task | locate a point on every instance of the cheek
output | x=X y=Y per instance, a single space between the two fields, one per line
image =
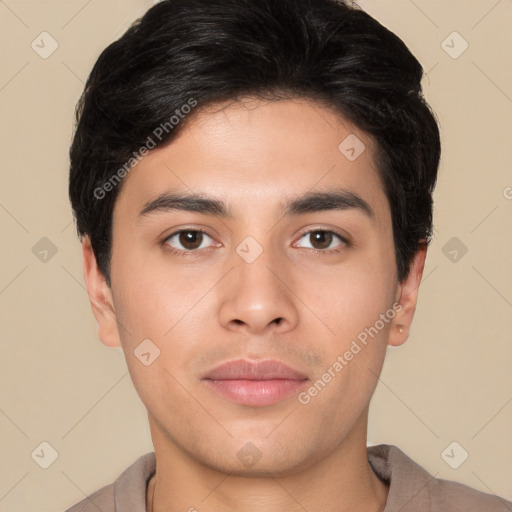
x=163 y=304
x=350 y=298
x=157 y=321
x=360 y=317
x=151 y=297
x=357 y=305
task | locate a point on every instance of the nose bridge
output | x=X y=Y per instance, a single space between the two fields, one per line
x=256 y=295
x=256 y=269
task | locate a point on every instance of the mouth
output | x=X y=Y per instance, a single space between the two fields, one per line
x=255 y=383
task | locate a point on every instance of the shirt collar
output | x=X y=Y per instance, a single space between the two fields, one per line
x=408 y=482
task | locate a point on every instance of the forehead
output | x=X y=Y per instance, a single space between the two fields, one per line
x=253 y=153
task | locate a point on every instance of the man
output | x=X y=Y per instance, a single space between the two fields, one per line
x=252 y=183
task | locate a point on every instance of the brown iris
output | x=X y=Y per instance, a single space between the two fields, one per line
x=191 y=238
x=323 y=238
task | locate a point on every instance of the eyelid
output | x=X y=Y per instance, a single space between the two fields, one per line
x=174 y=250
x=196 y=228
x=345 y=239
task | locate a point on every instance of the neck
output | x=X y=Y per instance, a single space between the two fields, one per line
x=341 y=482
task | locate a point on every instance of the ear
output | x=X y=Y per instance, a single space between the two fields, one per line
x=100 y=296
x=407 y=297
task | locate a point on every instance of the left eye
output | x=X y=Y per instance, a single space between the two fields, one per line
x=190 y=240
x=323 y=239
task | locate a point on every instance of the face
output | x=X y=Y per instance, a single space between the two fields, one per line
x=264 y=272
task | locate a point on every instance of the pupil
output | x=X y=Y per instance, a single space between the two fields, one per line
x=323 y=238
x=190 y=237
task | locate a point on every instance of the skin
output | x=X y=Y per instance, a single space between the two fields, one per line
x=206 y=309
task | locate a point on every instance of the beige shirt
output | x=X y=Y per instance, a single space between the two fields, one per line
x=412 y=488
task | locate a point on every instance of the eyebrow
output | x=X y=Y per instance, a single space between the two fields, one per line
x=310 y=202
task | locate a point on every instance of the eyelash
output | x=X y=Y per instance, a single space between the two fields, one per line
x=195 y=252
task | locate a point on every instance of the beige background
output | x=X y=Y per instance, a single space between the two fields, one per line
x=451 y=381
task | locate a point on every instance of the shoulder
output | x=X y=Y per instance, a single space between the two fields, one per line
x=412 y=488
x=126 y=494
x=454 y=496
x=102 y=499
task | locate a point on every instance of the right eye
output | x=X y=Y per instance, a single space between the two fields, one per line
x=191 y=240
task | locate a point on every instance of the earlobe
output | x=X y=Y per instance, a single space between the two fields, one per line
x=407 y=297
x=100 y=297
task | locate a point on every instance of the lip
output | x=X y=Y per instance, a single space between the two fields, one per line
x=254 y=370
x=253 y=383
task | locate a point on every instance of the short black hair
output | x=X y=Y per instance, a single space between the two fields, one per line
x=185 y=53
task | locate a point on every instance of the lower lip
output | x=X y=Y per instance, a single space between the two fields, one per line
x=256 y=392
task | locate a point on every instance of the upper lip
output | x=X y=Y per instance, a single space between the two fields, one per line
x=254 y=370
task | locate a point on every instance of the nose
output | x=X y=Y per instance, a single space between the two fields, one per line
x=258 y=296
